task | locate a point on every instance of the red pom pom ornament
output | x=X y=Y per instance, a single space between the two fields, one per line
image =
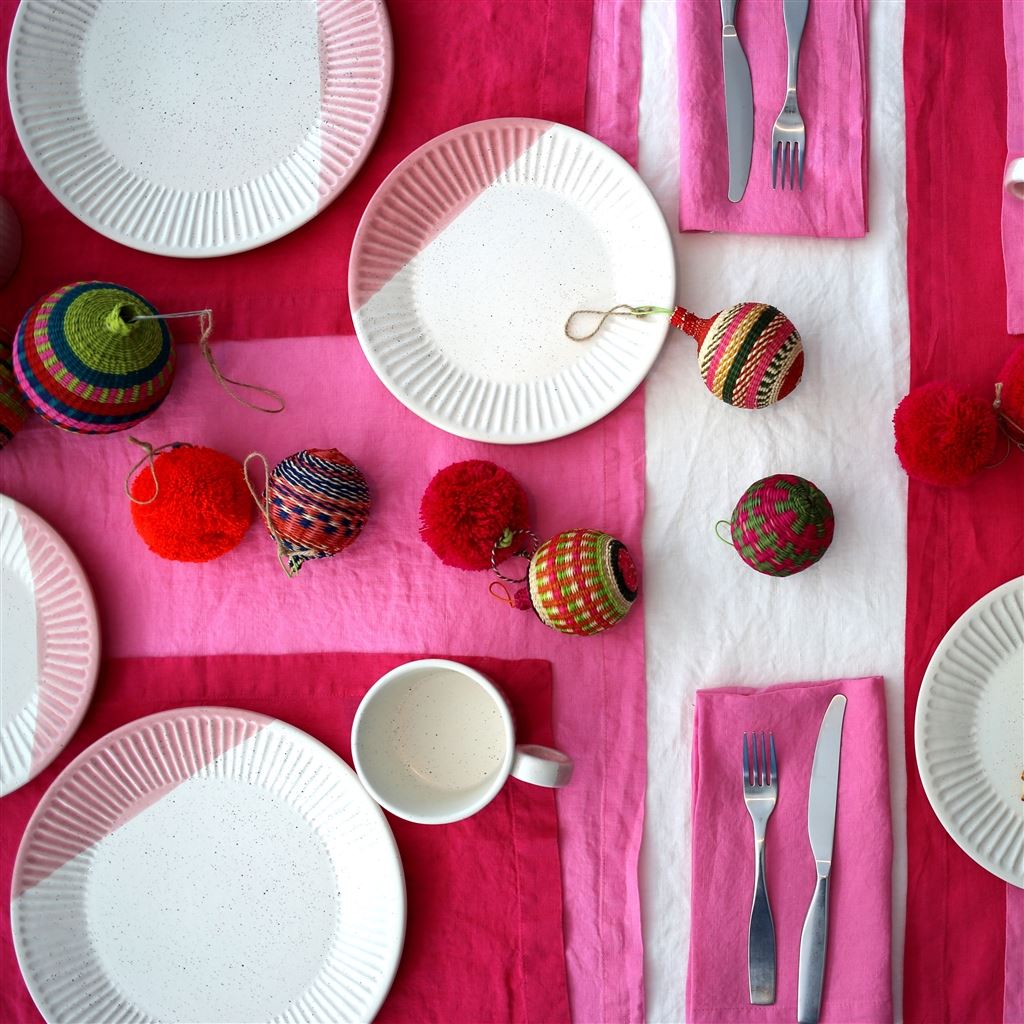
x=191 y=503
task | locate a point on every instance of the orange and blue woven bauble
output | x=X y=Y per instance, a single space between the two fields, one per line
x=782 y=525
x=582 y=582
x=13 y=409
x=750 y=355
x=474 y=515
x=316 y=504
x=86 y=364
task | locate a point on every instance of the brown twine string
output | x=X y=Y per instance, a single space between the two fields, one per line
x=206 y=330
x=284 y=555
x=623 y=309
x=1005 y=420
x=150 y=457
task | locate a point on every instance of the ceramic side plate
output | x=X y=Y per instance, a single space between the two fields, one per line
x=198 y=129
x=969 y=731
x=208 y=865
x=470 y=258
x=49 y=644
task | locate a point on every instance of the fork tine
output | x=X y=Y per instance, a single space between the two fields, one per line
x=792 y=169
x=803 y=149
x=764 y=762
x=775 y=771
x=775 y=161
x=746 y=761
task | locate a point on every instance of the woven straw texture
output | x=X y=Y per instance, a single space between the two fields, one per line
x=83 y=367
x=782 y=525
x=582 y=582
x=13 y=409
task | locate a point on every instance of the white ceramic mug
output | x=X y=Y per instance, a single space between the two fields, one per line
x=434 y=741
x=1014 y=180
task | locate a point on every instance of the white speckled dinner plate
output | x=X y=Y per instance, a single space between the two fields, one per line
x=198 y=128
x=470 y=258
x=208 y=865
x=49 y=644
x=969 y=731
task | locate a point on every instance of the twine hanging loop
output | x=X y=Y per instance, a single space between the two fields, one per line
x=624 y=309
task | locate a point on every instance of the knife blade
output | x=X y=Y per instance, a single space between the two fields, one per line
x=821 y=827
x=739 y=104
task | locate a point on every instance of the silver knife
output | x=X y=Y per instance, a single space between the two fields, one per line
x=821 y=827
x=739 y=104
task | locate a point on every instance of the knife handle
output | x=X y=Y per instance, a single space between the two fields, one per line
x=812 y=955
x=728 y=12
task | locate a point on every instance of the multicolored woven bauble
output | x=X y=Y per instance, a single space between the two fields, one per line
x=782 y=525
x=582 y=582
x=750 y=355
x=191 y=503
x=474 y=516
x=315 y=505
x=84 y=362
x=13 y=408
x=945 y=436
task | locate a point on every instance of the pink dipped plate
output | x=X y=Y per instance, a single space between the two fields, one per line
x=208 y=865
x=472 y=255
x=49 y=644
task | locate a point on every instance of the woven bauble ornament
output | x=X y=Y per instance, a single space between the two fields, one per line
x=315 y=504
x=86 y=364
x=782 y=525
x=190 y=504
x=582 y=582
x=13 y=408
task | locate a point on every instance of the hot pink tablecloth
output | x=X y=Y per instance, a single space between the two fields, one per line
x=833 y=91
x=387 y=591
x=858 y=979
x=484 y=937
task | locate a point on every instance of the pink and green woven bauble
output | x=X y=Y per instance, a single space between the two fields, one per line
x=13 y=409
x=782 y=525
x=582 y=582
x=86 y=364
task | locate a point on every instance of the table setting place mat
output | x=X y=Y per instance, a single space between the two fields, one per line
x=833 y=92
x=1013 y=205
x=500 y=57
x=965 y=927
x=484 y=930
x=387 y=588
x=858 y=981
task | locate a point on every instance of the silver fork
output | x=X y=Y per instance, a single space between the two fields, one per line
x=760 y=791
x=788 y=136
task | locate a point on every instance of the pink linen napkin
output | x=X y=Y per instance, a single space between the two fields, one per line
x=833 y=93
x=858 y=967
x=1013 y=206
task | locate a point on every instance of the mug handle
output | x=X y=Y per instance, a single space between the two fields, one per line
x=542 y=766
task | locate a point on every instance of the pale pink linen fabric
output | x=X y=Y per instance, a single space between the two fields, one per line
x=1013 y=989
x=613 y=76
x=1013 y=208
x=388 y=591
x=858 y=981
x=833 y=92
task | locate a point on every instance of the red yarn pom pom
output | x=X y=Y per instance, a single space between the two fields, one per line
x=1011 y=398
x=465 y=510
x=201 y=510
x=943 y=436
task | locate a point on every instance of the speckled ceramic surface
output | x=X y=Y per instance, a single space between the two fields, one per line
x=49 y=644
x=208 y=865
x=198 y=129
x=472 y=255
x=969 y=731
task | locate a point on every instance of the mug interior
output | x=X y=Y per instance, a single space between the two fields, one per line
x=433 y=743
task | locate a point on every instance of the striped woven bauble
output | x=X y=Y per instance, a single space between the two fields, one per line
x=750 y=355
x=582 y=582
x=13 y=409
x=782 y=525
x=84 y=366
x=317 y=503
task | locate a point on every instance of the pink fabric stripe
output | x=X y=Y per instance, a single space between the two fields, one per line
x=1013 y=208
x=1013 y=990
x=724 y=344
x=613 y=77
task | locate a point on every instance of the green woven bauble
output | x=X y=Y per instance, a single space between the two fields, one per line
x=86 y=364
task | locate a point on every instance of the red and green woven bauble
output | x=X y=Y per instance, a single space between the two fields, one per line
x=474 y=516
x=782 y=525
x=315 y=504
x=86 y=364
x=13 y=409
